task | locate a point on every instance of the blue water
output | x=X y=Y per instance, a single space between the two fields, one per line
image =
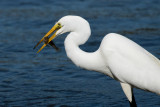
x=50 y=79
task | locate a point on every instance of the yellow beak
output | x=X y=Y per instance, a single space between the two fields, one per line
x=54 y=28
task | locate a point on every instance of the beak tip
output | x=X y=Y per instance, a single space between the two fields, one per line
x=38 y=52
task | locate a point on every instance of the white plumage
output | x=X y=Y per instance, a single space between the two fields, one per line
x=117 y=57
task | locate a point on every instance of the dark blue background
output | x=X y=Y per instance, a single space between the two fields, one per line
x=50 y=78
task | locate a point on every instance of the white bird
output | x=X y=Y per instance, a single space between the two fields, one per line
x=118 y=57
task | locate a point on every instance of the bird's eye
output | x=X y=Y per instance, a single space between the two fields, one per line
x=59 y=24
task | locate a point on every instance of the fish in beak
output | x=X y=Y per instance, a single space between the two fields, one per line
x=51 y=43
x=48 y=40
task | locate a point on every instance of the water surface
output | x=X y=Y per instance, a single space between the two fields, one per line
x=50 y=79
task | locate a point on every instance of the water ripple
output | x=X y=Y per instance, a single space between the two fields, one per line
x=50 y=79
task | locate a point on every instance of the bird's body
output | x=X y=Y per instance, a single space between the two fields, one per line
x=130 y=63
x=117 y=57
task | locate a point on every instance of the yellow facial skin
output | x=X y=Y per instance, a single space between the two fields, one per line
x=55 y=28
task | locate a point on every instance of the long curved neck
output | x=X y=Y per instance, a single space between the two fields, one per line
x=81 y=58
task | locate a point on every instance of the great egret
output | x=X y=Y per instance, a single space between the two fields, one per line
x=118 y=57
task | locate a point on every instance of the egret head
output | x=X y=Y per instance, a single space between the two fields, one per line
x=65 y=24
